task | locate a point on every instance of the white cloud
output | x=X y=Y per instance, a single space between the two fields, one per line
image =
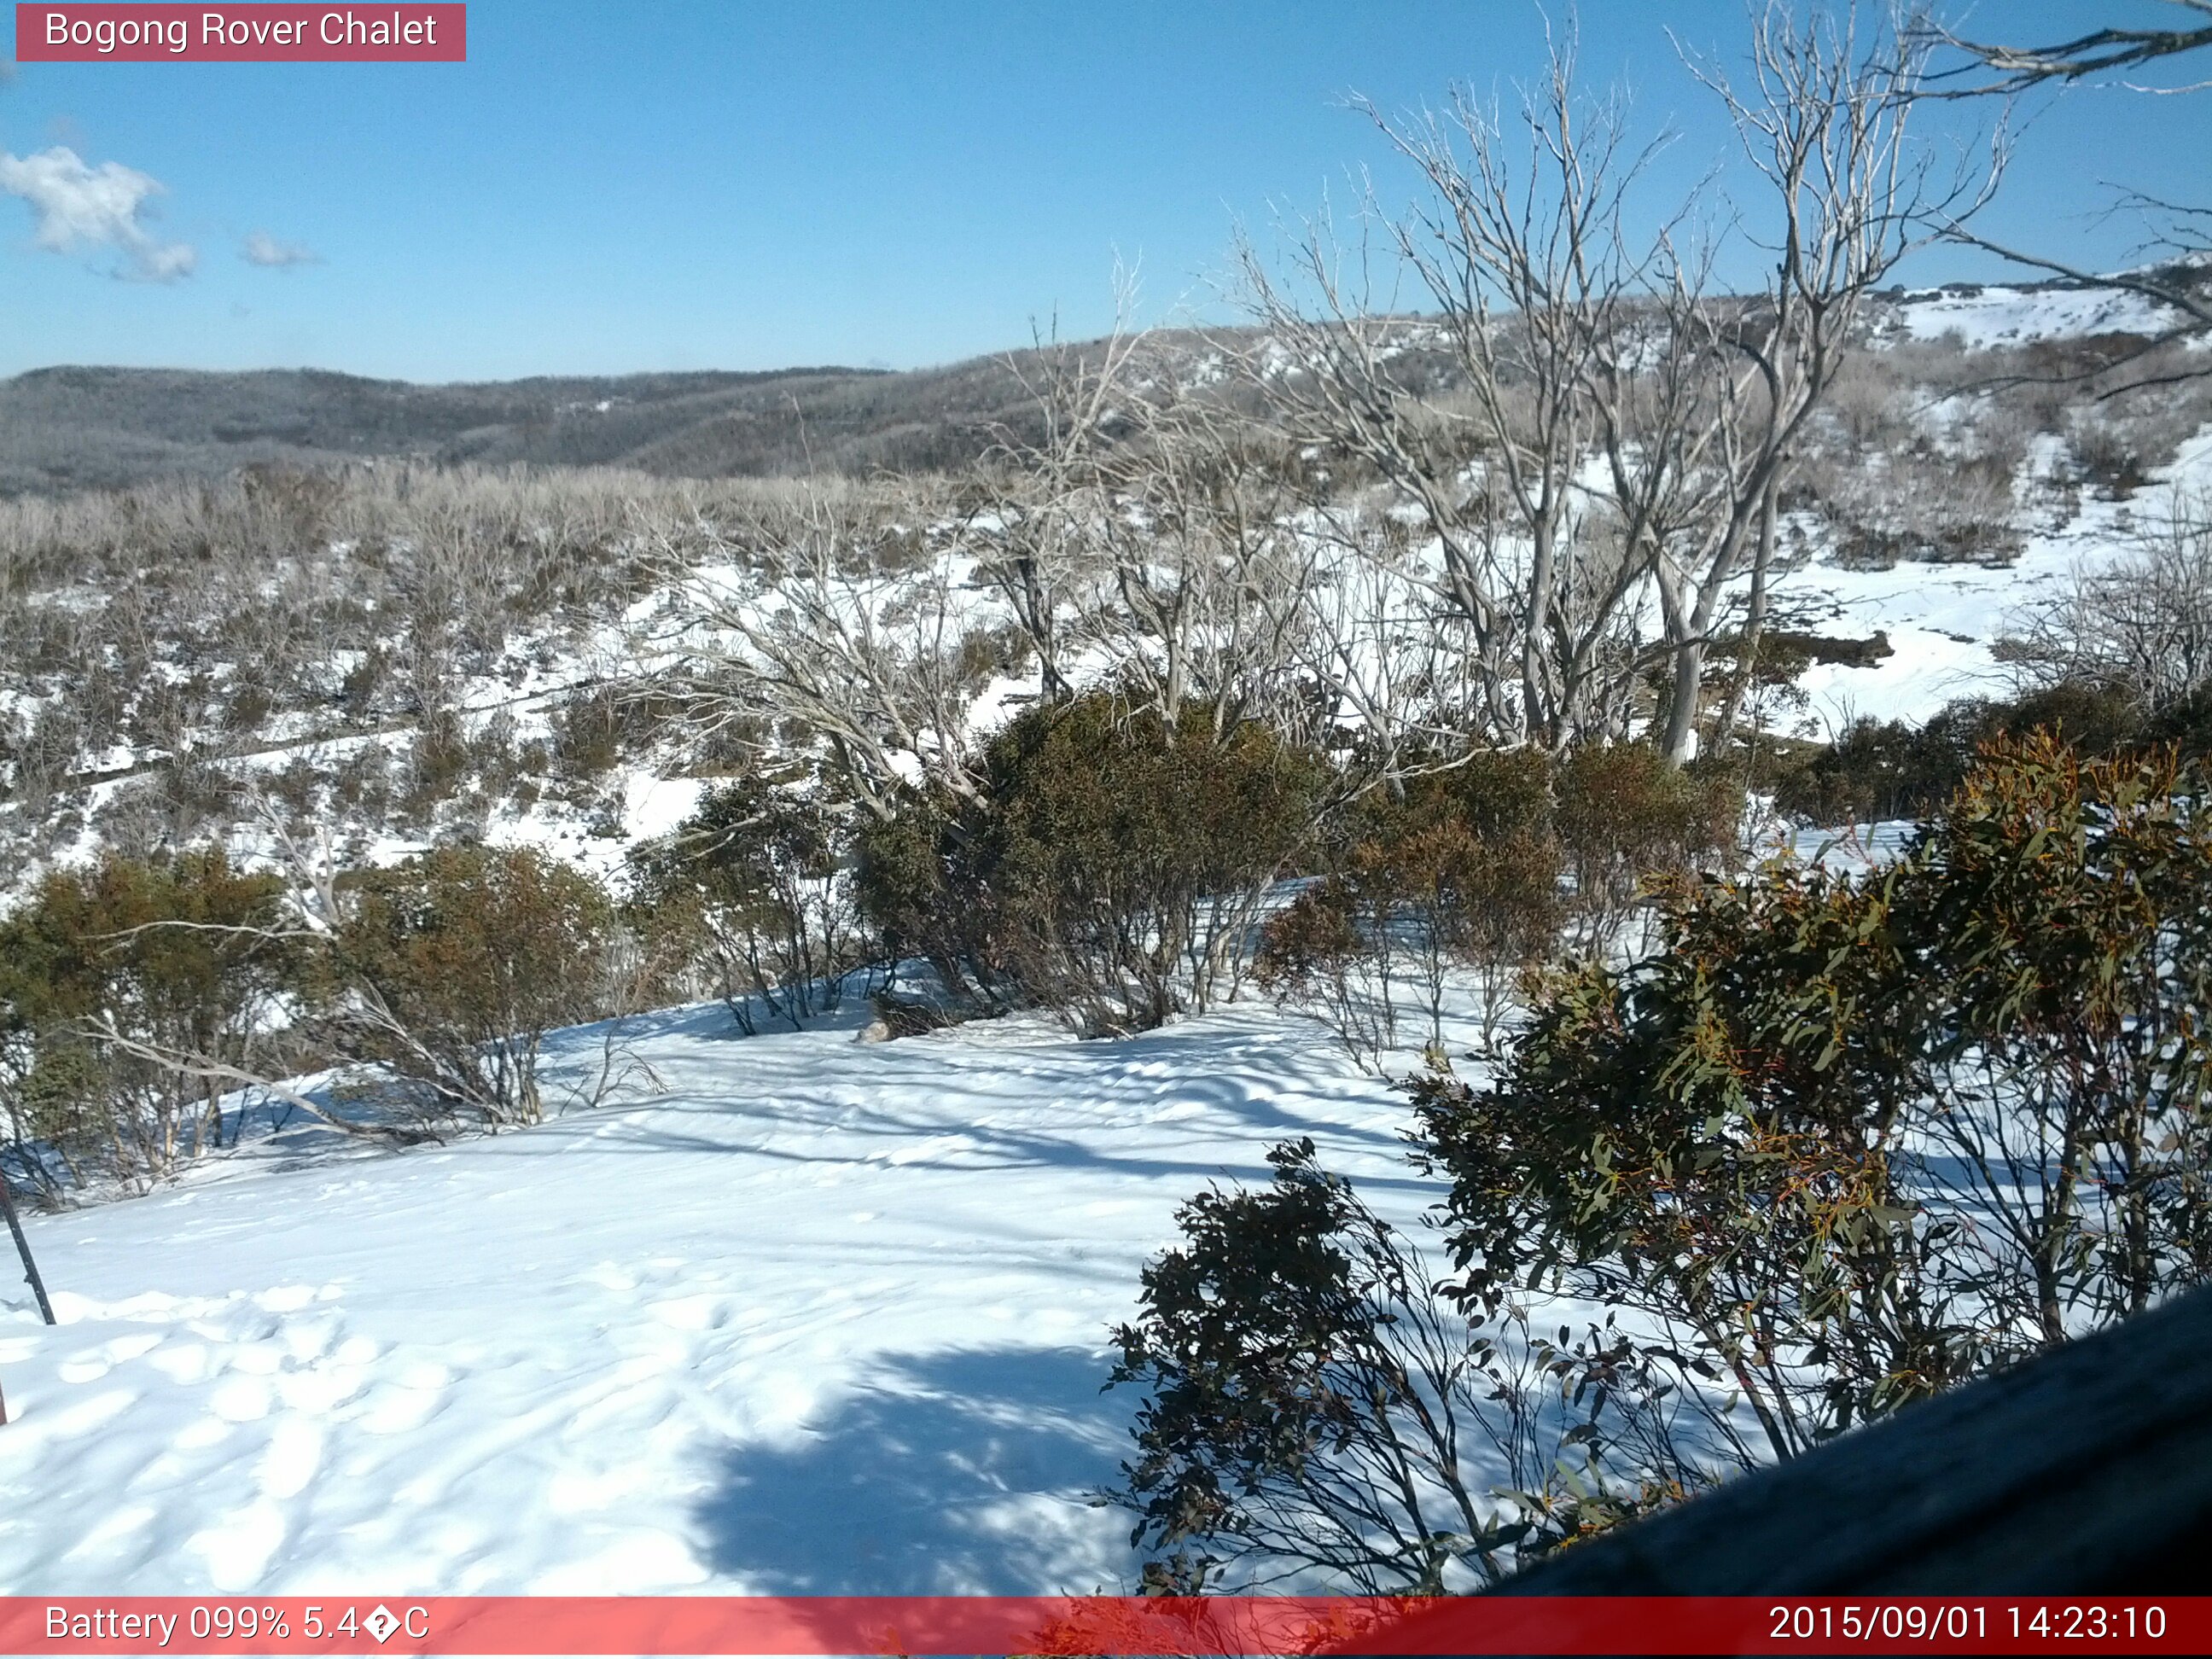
x=263 y=249
x=83 y=206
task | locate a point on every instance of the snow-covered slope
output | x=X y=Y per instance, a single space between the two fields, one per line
x=1983 y=316
x=1943 y=619
x=821 y=1317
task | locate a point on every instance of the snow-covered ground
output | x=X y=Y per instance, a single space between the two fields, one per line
x=823 y=1317
x=1943 y=619
x=816 y=1316
x=1985 y=315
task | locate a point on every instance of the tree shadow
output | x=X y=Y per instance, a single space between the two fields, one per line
x=967 y=1473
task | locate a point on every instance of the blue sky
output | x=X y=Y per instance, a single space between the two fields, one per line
x=610 y=186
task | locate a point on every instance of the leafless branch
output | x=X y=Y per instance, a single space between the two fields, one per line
x=2016 y=69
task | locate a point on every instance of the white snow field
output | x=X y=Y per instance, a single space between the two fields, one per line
x=822 y=1317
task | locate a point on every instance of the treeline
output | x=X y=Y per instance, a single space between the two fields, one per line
x=75 y=428
x=401 y=648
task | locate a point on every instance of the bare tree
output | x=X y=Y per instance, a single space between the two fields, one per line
x=834 y=619
x=1520 y=249
x=1208 y=575
x=2180 y=231
x=1613 y=424
x=1146 y=535
x=2142 y=626
x=1390 y=666
x=2102 y=51
x=1824 y=117
x=1036 y=521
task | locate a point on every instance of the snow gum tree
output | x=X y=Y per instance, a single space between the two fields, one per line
x=1584 y=423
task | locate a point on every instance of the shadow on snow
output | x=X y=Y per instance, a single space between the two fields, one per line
x=967 y=1473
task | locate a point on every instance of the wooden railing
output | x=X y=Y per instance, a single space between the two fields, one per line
x=2086 y=1471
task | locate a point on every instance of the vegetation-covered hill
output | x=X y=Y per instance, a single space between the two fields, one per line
x=66 y=429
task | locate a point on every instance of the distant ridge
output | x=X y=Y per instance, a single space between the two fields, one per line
x=74 y=427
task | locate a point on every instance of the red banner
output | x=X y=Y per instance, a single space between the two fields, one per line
x=1213 y=1625
x=364 y=33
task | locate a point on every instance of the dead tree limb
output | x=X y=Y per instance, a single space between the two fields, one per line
x=30 y=1267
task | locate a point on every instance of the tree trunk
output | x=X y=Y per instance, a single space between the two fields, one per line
x=1754 y=621
x=1682 y=699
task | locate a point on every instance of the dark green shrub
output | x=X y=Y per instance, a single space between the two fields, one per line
x=1510 y=915
x=1128 y=862
x=1110 y=866
x=1874 y=770
x=591 y=729
x=1502 y=794
x=1699 y=1141
x=1332 y=952
x=2062 y=910
x=1878 y=770
x=1847 y=1141
x=249 y=706
x=360 y=692
x=1312 y=1407
x=438 y=763
x=448 y=971
x=106 y=969
x=922 y=884
x=761 y=871
x=1495 y=794
x=1425 y=895
x=2186 y=724
x=1625 y=816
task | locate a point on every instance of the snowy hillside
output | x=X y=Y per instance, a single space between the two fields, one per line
x=806 y=1315
x=1985 y=317
x=1942 y=620
x=823 y=1317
